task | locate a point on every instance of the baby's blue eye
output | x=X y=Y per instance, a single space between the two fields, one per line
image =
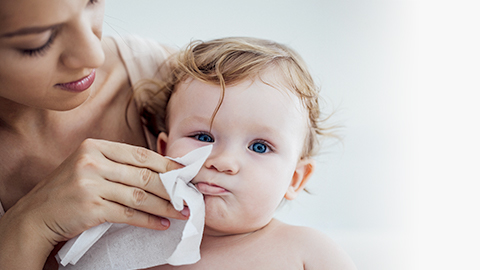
x=258 y=147
x=204 y=138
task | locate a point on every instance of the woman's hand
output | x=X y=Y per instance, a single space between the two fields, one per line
x=101 y=181
x=104 y=181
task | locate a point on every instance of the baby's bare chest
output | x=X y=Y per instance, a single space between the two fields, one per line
x=265 y=260
x=254 y=257
x=261 y=254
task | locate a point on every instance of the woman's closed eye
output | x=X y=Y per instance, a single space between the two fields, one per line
x=39 y=51
x=42 y=49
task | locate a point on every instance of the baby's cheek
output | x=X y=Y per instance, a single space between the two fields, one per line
x=180 y=147
x=217 y=215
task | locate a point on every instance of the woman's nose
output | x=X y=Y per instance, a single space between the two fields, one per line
x=223 y=160
x=84 y=49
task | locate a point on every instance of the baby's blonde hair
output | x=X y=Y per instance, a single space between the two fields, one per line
x=228 y=61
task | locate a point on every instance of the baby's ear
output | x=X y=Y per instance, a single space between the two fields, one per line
x=302 y=174
x=162 y=140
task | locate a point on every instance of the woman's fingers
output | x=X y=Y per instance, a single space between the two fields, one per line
x=131 y=165
x=133 y=155
x=136 y=177
x=122 y=214
x=133 y=180
x=139 y=199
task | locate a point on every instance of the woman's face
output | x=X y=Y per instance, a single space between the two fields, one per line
x=49 y=50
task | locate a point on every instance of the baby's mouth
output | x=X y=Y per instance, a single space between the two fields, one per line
x=210 y=189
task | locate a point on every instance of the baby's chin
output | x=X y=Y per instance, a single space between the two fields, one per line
x=220 y=228
x=224 y=217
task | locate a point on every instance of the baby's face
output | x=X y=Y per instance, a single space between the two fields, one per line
x=257 y=136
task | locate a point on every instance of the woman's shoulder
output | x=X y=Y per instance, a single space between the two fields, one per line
x=316 y=248
x=142 y=58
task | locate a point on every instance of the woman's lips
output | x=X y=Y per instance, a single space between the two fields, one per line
x=210 y=189
x=80 y=85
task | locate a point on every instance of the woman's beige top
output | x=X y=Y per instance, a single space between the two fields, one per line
x=142 y=59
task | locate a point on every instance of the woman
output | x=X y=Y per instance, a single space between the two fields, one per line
x=61 y=84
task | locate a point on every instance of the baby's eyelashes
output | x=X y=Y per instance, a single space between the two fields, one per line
x=203 y=137
x=260 y=147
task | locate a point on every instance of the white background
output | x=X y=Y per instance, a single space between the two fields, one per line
x=397 y=193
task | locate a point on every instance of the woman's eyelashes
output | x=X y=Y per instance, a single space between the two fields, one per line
x=42 y=49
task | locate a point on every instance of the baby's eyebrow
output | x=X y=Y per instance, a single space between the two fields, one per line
x=196 y=119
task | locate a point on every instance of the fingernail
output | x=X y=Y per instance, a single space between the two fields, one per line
x=165 y=222
x=185 y=211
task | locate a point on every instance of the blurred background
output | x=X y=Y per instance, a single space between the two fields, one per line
x=366 y=55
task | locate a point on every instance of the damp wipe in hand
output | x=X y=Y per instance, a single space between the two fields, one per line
x=121 y=246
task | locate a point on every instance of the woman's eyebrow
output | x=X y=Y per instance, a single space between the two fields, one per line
x=29 y=30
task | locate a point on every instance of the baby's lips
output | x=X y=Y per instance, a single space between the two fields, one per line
x=210 y=189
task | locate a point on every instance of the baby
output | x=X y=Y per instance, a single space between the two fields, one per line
x=256 y=102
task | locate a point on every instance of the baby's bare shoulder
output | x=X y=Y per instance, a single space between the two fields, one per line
x=317 y=249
